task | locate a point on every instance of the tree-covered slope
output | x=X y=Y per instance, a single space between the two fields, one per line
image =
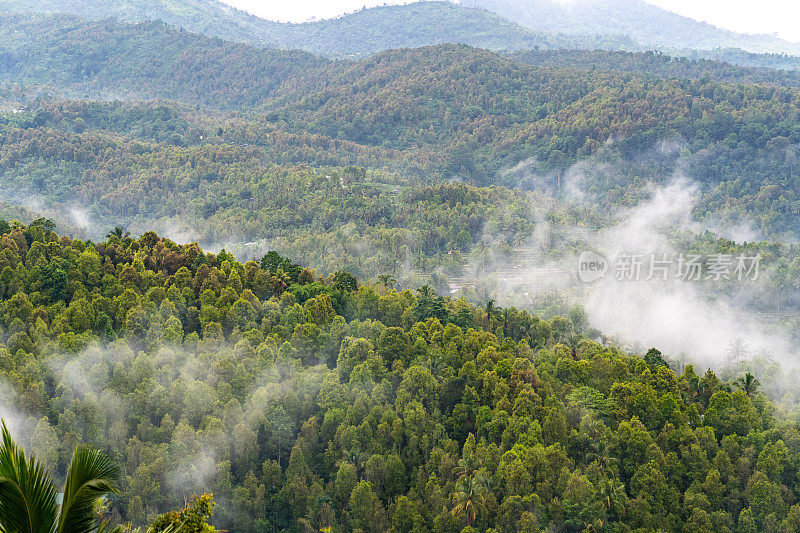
x=663 y=65
x=209 y=17
x=555 y=26
x=426 y=23
x=110 y=59
x=310 y=401
x=428 y=114
x=353 y=35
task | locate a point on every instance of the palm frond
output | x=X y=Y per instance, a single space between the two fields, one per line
x=27 y=494
x=91 y=476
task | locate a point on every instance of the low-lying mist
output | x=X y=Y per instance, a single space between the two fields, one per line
x=700 y=318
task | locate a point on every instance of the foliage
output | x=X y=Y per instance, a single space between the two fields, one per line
x=28 y=497
x=319 y=403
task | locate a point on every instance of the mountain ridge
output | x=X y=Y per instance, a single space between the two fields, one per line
x=360 y=33
x=645 y=23
x=491 y=24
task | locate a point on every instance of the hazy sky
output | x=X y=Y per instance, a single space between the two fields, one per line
x=749 y=16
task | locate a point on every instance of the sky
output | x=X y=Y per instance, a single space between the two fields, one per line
x=779 y=17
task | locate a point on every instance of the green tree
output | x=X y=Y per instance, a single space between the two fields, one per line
x=748 y=384
x=193 y=518
x=469 y=498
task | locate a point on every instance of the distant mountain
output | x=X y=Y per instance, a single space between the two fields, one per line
x=646 y=24
x=209 y=17
x=630 y=25
x=373 y=30
x=109 y=59
x=359 y=34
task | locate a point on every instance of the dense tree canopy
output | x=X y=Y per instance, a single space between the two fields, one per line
x=308 y=372
x=305 y=401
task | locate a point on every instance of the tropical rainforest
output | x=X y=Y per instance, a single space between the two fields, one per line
x=320 y=276
x=306 y=402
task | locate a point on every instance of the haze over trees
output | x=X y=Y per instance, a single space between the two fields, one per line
x=305 y=401
x=324 y=272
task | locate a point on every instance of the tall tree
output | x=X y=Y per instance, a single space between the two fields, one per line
x=469 y=498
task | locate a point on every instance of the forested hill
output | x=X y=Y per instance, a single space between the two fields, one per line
x=110 y=59
x=425 y=23
x=209 y=17
x=663 y=65
x=450 y=96
x=306 y=401
x=645 y=23
x=429 y=113
x=527 y=24
x=358 y=34
x=420 y=24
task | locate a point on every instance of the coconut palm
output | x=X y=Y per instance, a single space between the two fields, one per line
x=600 y=452
x=612 y=496
x=681 y=362
x=489 y=308
x=117 y=234
x=426 y=292
x=279 y=281
x=737 y=350
x=469 y=498
x=28 y=496
x=466 y=467
x=575 y=343
x=387 y=280
x=748 y=383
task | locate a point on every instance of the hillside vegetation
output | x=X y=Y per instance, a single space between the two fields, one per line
x=306 y=401
x=267 y=270
x=423 y=114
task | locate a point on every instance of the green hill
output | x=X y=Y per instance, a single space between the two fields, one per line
x=434 y=113
x=362 y=33
x=209 y=17
x=663 y=65
x=422 y=24
x=109 y=59
x=310 y=401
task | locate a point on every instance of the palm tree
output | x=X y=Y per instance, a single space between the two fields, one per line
x=489 y=311
x=387 y=280
x=425 y=292
x=681 y=362
x=469 y=499
x=436 y=363
x=765 y=355
x=612 y=496
x=279 y=281
x=600 y=452
x=574 y=342
x=117 y=234
x=466 y=467
x=737 y=350
x=748 y=383
x=28 y=496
